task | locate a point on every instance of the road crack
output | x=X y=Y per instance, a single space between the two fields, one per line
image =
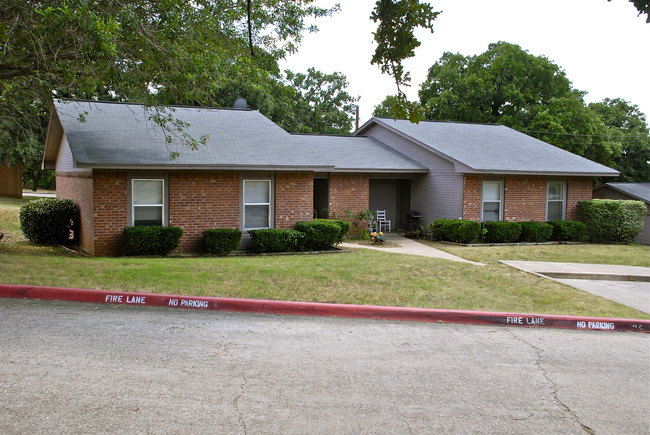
x=553 y=386
x=240 y=415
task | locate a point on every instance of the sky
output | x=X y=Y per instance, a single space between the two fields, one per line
x=603 y=47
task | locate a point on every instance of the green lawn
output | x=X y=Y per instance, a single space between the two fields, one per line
x=359 y=277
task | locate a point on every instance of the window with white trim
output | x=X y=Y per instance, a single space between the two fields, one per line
x=147 y=202
x=257 y=204
x=555 y=200
x=491 y=201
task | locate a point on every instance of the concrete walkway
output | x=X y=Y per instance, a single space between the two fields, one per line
x=410 y=247
x=627 y=285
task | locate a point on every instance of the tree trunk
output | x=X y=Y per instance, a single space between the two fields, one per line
x=36 y=178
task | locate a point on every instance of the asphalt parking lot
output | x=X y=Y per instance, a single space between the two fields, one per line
x=83 y=368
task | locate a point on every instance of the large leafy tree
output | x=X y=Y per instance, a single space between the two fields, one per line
x=500 y=85
x=626 y=126
x=509 y=86
x=320 y=103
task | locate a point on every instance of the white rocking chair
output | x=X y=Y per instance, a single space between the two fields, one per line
x=382 y=222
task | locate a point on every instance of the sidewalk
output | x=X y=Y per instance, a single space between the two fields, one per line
x=410 y=247
x=627 y=285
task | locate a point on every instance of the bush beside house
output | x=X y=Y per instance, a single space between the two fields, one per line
x=151 y=240
x=275 y=240
x=501 y=231
x=454 y=230
x=538 y=232
x=567 y=231
x=221 y=240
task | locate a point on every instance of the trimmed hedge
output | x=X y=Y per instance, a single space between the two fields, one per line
x=609 y=220
x=221 y=240
x=50 y=221
x=567 y=231
x=502 y=232
x=454 y=230
x=318 y=235
x=343 y=225
x=272 y=240
x=151 y=240
x=535 y=232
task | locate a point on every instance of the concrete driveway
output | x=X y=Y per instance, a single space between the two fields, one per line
x=84 y=368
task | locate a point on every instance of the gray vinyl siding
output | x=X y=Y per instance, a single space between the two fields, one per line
x=437 y=194
x=64 y=162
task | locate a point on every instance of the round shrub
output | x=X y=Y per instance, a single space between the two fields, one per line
x=275 y=240
x=50 y=221
x=502 y=232
x=454 y=230
x=437 y=228
x=567 y=231
x=151 y=240
x=221 y=240
x=319 y=235
x=344 y=227
x=535 y=232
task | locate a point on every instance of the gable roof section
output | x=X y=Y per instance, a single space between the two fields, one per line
x=640 y=191
x=491 y=148
x=122 y=135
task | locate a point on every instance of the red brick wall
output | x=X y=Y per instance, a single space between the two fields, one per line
x=578 y=189
x=349 y=191
x=472 y=198
x=200 y=201
x=294 y=198
x=78 y=186
x=110 y=212
x=524 y=197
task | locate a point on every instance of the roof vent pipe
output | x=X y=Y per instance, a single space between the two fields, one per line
x=241 y=104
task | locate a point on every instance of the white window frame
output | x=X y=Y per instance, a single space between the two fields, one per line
x=483 y=201
x=563 y=200
x=245 y=204
x=162 y=206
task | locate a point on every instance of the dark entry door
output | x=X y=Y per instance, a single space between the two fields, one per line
x=321 y=198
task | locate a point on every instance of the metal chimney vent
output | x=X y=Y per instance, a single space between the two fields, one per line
x=241 y=104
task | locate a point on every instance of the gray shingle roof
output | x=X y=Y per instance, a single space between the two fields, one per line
x=116 y=134
x=359 y=154
x=124 y=135
x=637 y=190
x=492 y=148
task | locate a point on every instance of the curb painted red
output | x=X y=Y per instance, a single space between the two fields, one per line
x=322 y=309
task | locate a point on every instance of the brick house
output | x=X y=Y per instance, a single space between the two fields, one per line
x=115 y=161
